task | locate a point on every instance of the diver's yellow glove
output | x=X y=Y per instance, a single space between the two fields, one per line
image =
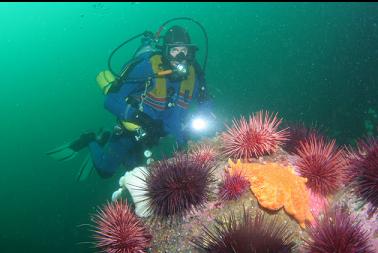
x=104 y=80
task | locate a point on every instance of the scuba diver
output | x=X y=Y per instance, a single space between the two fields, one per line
x=150 y=98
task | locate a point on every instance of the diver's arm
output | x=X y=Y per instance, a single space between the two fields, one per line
x=115 y=101
x=201 y=94
x=204 y=110
x=174 y=127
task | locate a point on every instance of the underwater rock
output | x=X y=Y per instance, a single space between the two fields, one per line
x=178 y=237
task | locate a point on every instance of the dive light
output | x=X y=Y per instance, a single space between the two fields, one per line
x=199 y=124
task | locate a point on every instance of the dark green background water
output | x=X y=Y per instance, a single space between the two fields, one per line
x=314 y=62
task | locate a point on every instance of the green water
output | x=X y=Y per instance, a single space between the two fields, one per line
x=313 y=62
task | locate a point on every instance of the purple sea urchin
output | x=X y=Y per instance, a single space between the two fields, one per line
x=245 y=235
x=177 y=186
x=363 y=164
x=337 y=232
x=298 y=132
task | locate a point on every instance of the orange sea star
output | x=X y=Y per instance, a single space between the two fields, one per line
x=277 y=186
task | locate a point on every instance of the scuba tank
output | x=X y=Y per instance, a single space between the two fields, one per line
x=147 y=45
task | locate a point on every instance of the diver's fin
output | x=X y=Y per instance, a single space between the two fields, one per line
x=85 y=169
x=62 y=153
x=69 y=150
x=82 y=141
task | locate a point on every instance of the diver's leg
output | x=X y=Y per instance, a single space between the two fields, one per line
x=106 y=160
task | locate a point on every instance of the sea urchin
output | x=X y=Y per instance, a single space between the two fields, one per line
x=204 y=153
x=233 y=186
x=177 y=186
x=119 y=230
x=364 y=165
x=337 y=232
x=322 y=163
x=254 y=138
x=245 y=235
x=297 y=132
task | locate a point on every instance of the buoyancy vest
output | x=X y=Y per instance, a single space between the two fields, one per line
x=157 y=96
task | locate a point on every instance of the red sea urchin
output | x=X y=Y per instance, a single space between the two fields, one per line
x=259 y=136
x=204 y=153
x=233 y=186
x=322 y=163
x=364 y=164
x=245 y=235
x=177 y=186
x=119 y=230
x=337 y=232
